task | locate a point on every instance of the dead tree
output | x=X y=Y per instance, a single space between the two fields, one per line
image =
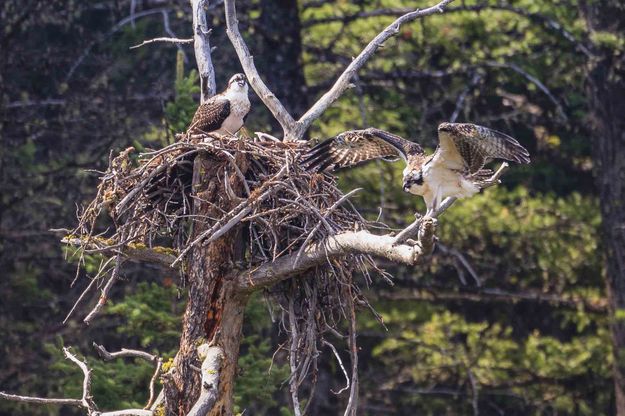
x=241 y=215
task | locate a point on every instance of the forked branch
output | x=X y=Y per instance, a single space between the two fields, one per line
x=85 y=402
x=343 y=82
x=295 y=130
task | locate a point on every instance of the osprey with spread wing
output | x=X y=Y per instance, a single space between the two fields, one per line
x=455 y=169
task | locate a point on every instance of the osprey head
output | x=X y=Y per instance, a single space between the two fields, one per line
x=413 y=181
x=238 y=83
x=458 y=128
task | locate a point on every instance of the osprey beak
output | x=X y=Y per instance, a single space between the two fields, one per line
x=445 y=127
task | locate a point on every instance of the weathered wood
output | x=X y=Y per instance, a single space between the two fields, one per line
x=202 y=47
x=214 y=312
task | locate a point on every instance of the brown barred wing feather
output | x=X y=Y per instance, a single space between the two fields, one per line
x=357 y=146
x=473 y=146
x=210 y=115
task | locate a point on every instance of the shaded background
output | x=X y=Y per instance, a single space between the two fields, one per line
x=509 y=317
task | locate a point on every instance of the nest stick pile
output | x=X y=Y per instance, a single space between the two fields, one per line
x=284 y=207
x=278 y=206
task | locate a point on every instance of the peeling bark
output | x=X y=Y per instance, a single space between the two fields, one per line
x=214 y=312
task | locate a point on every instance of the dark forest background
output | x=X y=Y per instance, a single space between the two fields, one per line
x=511 y=316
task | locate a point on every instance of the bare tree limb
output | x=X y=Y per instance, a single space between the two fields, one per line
x=166 y=40
x=202 y=47
x=338 y=359
x=171 y=34
x=463 y=261
x=87 y=399
x=211 y=364
x=39 y=400
x=132 y=252
x=352 y=404
x=104 y=294
x=475 y=79
x=126 y=412
x=247 y=62
x=124 y=352
x=293 y=384
x=342 y=83
x=362 y=242
x=157 y=373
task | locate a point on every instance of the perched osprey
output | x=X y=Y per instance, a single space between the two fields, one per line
x=453 y=170
x=223 y=113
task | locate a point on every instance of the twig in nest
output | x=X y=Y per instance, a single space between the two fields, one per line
x=338 y=358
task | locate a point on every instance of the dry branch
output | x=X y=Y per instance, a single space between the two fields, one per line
x=85 y=402
x=133 y=252
x=247 y=62
x=211 y=357
x=201 y=34
x=357 y=242
x=165 y=40
x=342 y=83
x=124 y=352
x=104 y=292
x=39 y=400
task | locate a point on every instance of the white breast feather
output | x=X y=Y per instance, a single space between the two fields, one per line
x=444 y=181
x=239 y=107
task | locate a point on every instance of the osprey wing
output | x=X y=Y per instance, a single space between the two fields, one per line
x=470 y=147
x=210 y=115
x=356 y=146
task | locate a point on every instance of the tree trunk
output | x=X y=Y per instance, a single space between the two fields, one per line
x=214 y=312
x=606 y=91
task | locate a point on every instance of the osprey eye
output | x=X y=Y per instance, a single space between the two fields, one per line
x=415 y=178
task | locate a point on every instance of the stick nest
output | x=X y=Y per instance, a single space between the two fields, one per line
x=261 y=186
x=256 y=187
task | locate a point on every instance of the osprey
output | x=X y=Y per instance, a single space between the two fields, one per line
x=223 y=113
x=453 y=170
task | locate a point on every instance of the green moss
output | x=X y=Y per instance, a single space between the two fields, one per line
x=168 y=365
x=165 y=250
x=137 y=246
x=160 y=410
